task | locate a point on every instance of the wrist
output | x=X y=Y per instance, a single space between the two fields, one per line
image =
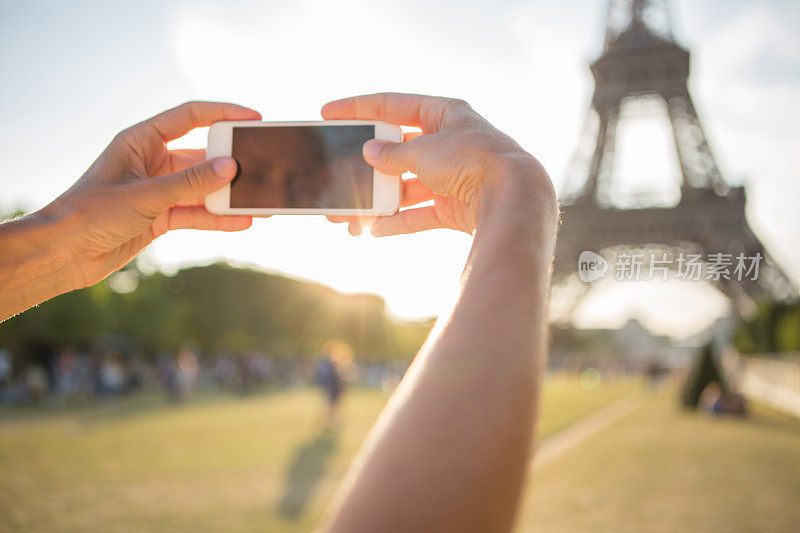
x=517 y=192
x=53 y=230
x=33 y=267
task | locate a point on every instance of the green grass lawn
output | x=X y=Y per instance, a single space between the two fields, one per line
x=565 y=402
x=261 y=462
x=217 y=463
x=226 y=463
x=661 y=469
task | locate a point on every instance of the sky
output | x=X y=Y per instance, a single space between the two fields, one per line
x=75 y=73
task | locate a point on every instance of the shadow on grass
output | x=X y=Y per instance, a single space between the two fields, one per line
x=305 y=471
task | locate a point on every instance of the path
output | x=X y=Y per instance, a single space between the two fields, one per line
x=566 y=439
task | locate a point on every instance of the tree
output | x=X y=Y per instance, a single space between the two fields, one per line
x=774 y=328
x=216 y=307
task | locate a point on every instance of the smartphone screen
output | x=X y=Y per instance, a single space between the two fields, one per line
x=317 y=167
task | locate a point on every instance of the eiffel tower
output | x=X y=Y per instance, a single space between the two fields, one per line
x=642 y=60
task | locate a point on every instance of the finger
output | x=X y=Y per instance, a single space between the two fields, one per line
x=359 y=223
x=396 y=158
x=159 y=193
x=338 y=219
x=415 y=192
x=411 y=135
x=179 y=121
x=199 y=200
x=408 y=221
x=355 y=223
x=355 y=228
x=199 y=218
x=426 y=112
x=180 y=159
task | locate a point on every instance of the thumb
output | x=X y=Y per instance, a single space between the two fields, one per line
x=191 y=182
x=390 y=157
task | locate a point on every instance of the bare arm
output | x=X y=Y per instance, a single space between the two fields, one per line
x=449 y=452
x=134 y=192
x=32 y=267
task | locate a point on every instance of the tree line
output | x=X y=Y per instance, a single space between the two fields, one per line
x=775 y=327
x=216 y=308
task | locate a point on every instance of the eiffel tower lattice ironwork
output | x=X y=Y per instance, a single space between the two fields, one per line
x=641 y=59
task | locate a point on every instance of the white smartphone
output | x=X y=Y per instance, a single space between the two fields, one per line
x=303 y=168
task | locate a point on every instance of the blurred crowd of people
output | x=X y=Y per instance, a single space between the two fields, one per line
x=69 y=374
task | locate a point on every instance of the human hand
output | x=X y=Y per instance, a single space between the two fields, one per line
x=138 y=190
x=459 y=159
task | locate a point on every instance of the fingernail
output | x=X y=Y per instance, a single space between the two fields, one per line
x=372 y=148
x=225 y=168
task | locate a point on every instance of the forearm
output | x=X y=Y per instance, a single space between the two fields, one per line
x=32 y=268
x=450 y=451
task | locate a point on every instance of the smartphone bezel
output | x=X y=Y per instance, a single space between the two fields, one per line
x=386 y=189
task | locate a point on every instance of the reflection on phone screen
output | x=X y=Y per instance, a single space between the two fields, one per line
x=312 y=167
